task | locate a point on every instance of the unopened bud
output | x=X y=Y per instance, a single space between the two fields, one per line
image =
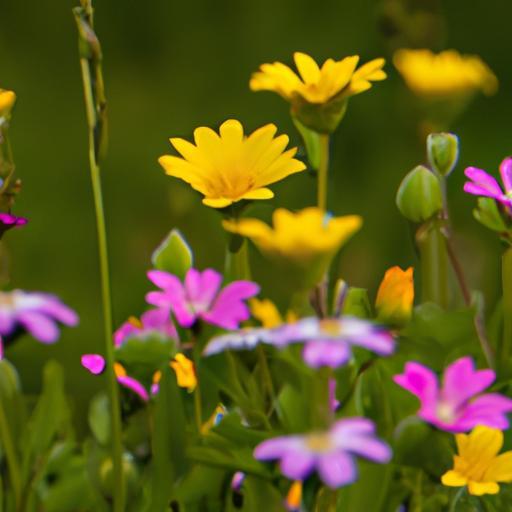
x=443 y=152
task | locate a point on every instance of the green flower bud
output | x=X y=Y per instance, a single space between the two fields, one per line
x=489 y=215
x=443 y=152
x=419 y=195
x=319 y=117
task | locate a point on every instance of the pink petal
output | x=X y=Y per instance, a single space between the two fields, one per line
x=297 y=464
x=506 y=173
x=135 y=386
x=337 y=469
x=489 y=410
x=94 y=363
x=126 y=330
x=7 y=322
x=276 y=447
x=326 y=353
x=39 y=326
x=52 y=306
x=483 y=180
x=202 y=287
x=420 y=381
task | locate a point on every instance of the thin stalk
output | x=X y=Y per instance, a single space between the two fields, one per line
x=322 y=413
x=506 y=280
x=456 y=498
x=11 y=455
x=198 y=408
x=92 y=78
x=323 y=171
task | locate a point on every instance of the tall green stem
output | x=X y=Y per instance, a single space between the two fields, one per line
x=92 y=77
x=506 y=280
x=11 y=455
x=323 y=171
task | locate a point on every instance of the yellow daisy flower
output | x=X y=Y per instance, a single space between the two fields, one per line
x=395 y=296
x=7 y=100
x=308 y=239
x=228 y=167
x=444 y=74
x=318 y=95
x=478 y=465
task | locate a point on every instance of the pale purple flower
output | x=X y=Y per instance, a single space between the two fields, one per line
x=96 y=365
x=200 y=297
x=458 y=405
x=328 y=341
x=483 y=184
x=331 y=453
x=36 y=313
x=237 y=481
x=8 y=221
x=153 y=321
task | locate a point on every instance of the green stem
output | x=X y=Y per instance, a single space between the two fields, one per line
x=506 y=280
x=323 y=171
x=92 y=78
x=198 y=408
x=322 y=414
x=456 y=498
x=12 y=457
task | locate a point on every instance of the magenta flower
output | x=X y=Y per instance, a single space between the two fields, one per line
x=200 y=297
x=328 y=341
x=458 y=406
x=8 y=221
x=153 y=321
x=331 y=453
x=36 y=313
x=483 y=184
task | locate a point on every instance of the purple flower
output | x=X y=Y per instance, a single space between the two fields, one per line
x=153 y=321
x=458 y=406
x=8 y=221
x=483 y=184
x=200 y=296
x=328 y=341
x=36 y=313
x=331 y=453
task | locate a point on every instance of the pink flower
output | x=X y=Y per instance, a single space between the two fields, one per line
x=200 y=297
x=8 y=221
x=483 y=184
x=458 y=406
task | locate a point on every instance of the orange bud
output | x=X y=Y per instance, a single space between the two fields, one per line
x=395 y=296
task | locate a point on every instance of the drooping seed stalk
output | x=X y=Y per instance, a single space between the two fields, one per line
x=323 y=172
x=95 y=102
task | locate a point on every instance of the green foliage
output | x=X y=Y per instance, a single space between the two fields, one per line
x=173 y=255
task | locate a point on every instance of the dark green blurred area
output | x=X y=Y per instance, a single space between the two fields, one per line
x=172 y=66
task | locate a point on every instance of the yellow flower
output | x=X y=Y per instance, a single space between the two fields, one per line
x=185 y=372
x=267 y=313
x=318 y=95
x=308 y=239
x=294 y=496
x=7 y=100
x=229 y=166
x=395 y=296
x=478 y=464
x=444 y=74
x=318 y=84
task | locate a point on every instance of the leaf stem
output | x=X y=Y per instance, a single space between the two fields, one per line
x=323 y=171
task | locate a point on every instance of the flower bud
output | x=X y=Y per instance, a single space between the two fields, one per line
x=443 y=152
x=395 y=297
x=419 y=195
x=321 y=118
x=7 y=100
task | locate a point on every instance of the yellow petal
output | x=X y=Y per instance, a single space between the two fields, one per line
x=500 y=469
x=453 y=479
x=258 y=193
x=185 y=372
x=217 y=202
x=308 y=68
x=7 y=100
x=266 y=312
x=481 y=488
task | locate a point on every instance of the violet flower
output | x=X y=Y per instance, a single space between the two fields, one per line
x=36 y=313
x=483 y=184
x=8 y=221
x=200 y=297
x=153 y=321
x=331 y=453
x=328 y=341
x=458 y=405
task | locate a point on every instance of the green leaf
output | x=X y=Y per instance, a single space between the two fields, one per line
x=12 y=400
x=488 y=214
x=173 y=255
x=357 y=303
x=261 y=495
x=99 y=418
x=168 y=442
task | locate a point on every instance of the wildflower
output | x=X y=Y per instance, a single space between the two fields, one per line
x=308 y=239
x=395 y=296
x=483 y=184
x=294 y=497
x=200 y=297
x=318 y=96
x=478 y=465
x=36 y=313
x=8 y=221
x=153 y=321
x=458 y=406
x=7 y=100
x=331 y=453
x=229 y=167
x=444 y=74
x=185 y=372
x=327 y=341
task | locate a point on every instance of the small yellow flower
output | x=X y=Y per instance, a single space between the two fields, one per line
x=308 y=239
x=185 y=372
x=294 y=496
x=395 y=296
x=7 y=100
x=316 y=84
x=444 y=74
x=228 y=167
x=478 y=464
x=318 y=95
x=267 y=313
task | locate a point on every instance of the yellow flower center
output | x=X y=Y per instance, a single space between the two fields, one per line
x=319 y=442
x=330 y=327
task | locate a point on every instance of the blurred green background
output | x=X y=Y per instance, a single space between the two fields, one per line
x=172 y=66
